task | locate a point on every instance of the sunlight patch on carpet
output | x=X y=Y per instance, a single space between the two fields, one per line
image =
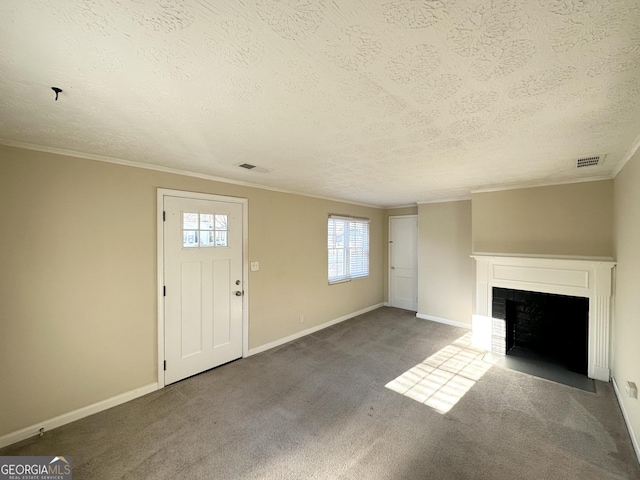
x=441 y=380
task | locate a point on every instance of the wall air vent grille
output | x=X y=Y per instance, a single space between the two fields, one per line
x=589 y=161
x=248 y=166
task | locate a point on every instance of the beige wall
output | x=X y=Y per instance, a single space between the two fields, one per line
x=574 y=219
x=446 y=273
x=390 y=212
x=626 y=323
x=78 y=281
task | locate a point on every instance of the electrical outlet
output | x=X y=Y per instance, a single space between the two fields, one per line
x=301 y=319
x=255 y=266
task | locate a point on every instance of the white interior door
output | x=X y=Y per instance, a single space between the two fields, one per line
x=403 y=262
x=203 y=285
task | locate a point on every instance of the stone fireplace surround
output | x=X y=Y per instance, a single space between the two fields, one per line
x=589 y=277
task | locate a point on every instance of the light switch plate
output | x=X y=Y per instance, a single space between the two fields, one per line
x=632 y=390
x=255 y=266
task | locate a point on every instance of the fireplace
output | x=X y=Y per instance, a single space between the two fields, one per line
x=544 y=326
x=584 y=282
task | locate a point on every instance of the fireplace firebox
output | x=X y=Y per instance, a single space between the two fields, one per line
x=543 y=326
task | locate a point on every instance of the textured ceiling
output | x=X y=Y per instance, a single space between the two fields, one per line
x=387 y=102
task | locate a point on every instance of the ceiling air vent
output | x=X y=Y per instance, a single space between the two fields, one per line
x=253 y=168
x=589 y=161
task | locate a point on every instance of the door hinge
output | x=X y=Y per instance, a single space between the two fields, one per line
x=165 y=364
x=164 y=216
x=164 y=291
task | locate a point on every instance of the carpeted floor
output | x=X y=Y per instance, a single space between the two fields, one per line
x=319 y=408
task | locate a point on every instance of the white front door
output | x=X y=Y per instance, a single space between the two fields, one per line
x=403 y=262
x=203 y=285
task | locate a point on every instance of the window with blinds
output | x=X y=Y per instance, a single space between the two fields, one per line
x=348 y=248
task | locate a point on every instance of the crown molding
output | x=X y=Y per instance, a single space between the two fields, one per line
x=456 y=198
x=630 y=153
x=499 y=188
x=174 y=171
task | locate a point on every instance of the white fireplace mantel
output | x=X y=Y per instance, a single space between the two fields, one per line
x=589 y=277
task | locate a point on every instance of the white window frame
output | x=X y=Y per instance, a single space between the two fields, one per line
x=348 y=244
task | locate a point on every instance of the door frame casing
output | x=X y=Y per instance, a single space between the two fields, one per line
x=164 y=192
x=391 y=217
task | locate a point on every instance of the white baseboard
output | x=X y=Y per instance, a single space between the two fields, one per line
x=446 y=321
x=634 y=439
x=386 y=304
x=74 y=415
x=295 y=336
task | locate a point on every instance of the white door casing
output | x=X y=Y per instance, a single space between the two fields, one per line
x=202 y=319
x=403 y=262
